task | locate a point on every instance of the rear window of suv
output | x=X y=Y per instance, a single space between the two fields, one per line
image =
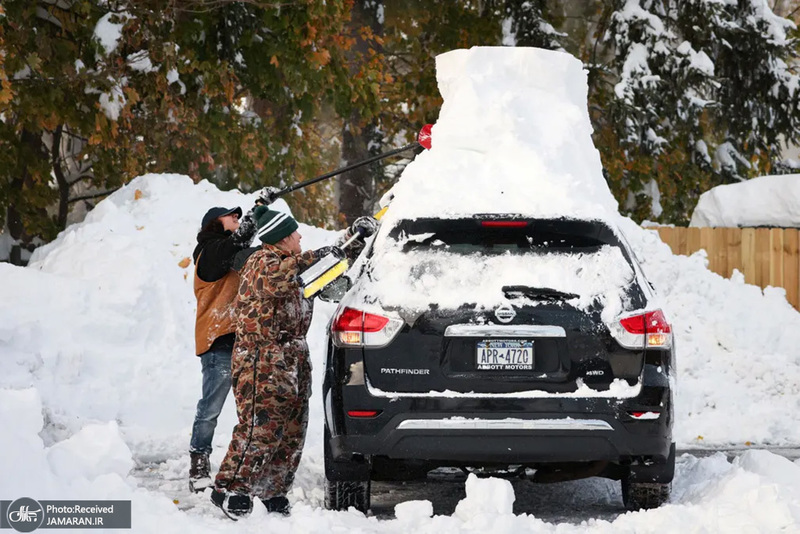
x=503 y=235
x=478 y=261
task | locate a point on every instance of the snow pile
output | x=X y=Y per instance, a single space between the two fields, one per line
x=737 y=350
x=92 y=465
x=411 y=512
x=763 y=201
x=513 y=136
x=112 y=315
x=97 y=449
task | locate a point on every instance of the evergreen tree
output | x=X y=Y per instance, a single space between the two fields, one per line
x=701 y=96
x=530 y=23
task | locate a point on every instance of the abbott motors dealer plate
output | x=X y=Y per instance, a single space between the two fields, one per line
x=504 y=355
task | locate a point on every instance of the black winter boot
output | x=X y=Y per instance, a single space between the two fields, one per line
x=199 y=476
x=239 y=504
x=233 y=505
x=278 y=505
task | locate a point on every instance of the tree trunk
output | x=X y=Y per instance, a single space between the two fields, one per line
x=356 y=189
x=61 y=180
x=16 y=228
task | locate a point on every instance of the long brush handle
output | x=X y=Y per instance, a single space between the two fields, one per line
x=333 y=173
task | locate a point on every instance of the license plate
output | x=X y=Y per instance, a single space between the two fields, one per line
x=505 y=355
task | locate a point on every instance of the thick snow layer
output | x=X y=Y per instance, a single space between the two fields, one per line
x=97 y=365
x=763 y=201
x=513 y=136
x=522 y=147
x=416 y=279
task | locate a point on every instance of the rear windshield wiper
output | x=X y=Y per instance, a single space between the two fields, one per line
x=544 y=293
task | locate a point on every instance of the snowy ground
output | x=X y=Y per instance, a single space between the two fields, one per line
x=98 y=378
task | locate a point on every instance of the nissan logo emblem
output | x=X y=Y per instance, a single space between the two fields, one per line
x=505 y=313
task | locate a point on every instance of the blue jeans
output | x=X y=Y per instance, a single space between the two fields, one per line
x=216 y=384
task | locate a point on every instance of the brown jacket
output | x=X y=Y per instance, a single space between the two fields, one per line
x=215 y=306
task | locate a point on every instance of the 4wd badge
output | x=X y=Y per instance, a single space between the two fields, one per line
x=505 y=313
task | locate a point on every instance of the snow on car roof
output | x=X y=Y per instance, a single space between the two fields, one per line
x=513 y=136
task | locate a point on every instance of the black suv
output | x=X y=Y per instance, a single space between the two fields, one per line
x=550 y=382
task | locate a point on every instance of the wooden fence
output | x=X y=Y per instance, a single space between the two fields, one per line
x=766 y=256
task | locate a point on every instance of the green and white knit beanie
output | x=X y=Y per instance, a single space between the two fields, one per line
x=273 y=225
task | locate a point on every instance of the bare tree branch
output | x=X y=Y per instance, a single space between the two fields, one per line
x=94 y=195
x=80 y=178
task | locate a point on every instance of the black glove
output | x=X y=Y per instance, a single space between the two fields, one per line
x=267 y=196
x=336 y=251
x=365 y=226
x=242 y=256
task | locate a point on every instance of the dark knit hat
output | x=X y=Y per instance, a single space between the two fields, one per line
x=273 y=225
x=217 y=212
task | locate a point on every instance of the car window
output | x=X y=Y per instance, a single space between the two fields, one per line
x=471 y=236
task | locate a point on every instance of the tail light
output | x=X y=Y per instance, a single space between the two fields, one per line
x=504 y=224
x=649 y=329
x=363 y=413
x=356 y=328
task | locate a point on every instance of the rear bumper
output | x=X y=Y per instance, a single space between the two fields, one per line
x=615 y=442
x=502 y=430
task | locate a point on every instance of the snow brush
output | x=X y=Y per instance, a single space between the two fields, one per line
x=423 y=140
x=328 y=268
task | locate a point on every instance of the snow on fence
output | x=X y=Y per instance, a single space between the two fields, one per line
x=766 y=256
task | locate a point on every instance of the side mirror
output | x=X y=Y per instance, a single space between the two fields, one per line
x=336 y=290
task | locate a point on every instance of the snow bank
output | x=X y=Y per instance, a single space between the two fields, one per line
x=737 y=350
x=111 y=316
x=80 y=468
x=763 y=201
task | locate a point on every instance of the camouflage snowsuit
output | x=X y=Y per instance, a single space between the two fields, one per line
x=271 y=375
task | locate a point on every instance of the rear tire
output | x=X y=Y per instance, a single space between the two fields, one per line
x=346 y=483
x=644 y=495
x=343 y=495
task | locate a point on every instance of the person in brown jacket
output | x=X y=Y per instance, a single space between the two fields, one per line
x=222 y=235
x=271 y=371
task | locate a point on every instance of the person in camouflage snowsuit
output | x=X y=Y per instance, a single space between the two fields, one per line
x=271 y=371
